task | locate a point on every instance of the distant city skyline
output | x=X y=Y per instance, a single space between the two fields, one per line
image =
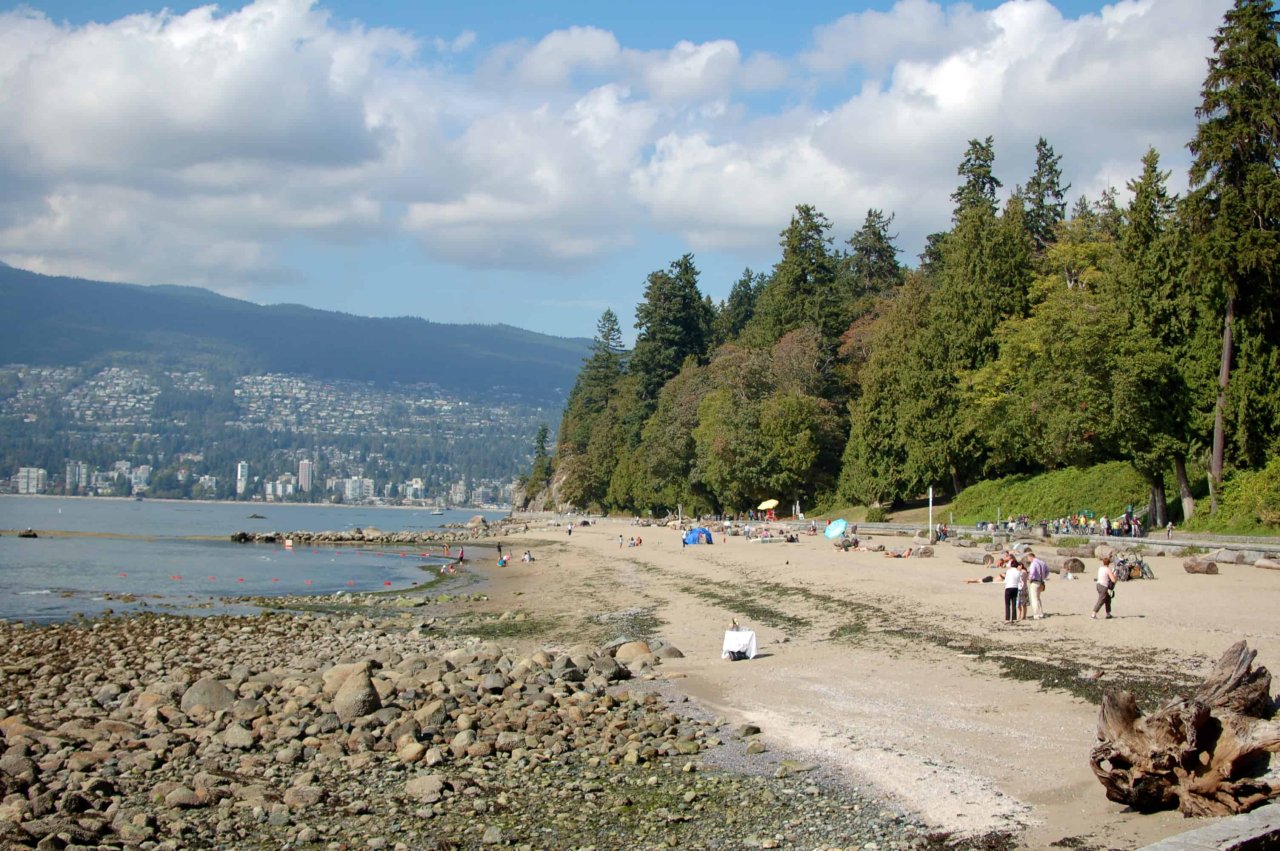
x=531 y=164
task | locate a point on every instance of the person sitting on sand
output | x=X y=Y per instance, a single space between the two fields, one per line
x=904 y=554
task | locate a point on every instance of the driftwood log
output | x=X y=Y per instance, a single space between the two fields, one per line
x=1064 y=564
x=1195 y=565
x=985 y=559
x=1205 y=755
x=1076 y=552
x=1267 y=563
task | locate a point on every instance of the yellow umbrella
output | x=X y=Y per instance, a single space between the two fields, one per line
x=767 y=504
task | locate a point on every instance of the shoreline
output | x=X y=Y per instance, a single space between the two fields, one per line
x=890 y=675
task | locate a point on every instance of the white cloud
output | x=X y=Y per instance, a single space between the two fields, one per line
x=190 y=148
x=911 y=30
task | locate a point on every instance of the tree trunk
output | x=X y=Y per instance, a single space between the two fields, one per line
x=1219 y=429
x=985 y=559
x=1204 y=755
x=955 y=482
x=1184 y=488
x=1155 y=505
x=1195 y=565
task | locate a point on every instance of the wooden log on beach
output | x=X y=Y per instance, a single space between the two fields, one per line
x=962 y=542
x=1064 y=564
x=1267 y=563
x=1076 y=552
x=984 y=559
x=1104 y=551
x=1198 y=754
x=1197 y=565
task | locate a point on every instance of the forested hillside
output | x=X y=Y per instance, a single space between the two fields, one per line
x=1030 y=337
x=49 y=321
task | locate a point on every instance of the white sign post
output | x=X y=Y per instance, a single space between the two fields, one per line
x=930 y=532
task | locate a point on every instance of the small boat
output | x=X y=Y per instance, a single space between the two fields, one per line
x=257 y=517
x=437 y=511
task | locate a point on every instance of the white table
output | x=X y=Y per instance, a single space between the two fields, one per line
x=741 y=641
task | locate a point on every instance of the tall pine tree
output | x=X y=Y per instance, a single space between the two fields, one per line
x=1045 y=196
x=1234 y=210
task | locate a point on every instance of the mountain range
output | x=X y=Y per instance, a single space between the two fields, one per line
x=57 y=321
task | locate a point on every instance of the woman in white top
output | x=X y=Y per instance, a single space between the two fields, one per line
x=1012 y=585
x=1106 y=581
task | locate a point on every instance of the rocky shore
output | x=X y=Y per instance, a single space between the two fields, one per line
x=476 y=530
x=382 y=729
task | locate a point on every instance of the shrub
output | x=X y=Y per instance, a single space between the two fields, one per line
x=1103 y=489
x=877 y=514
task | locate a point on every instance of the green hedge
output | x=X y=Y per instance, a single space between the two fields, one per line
x=1102 y=489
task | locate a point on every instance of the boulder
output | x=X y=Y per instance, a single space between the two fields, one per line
x=357 y=698
x=631 y=651
x=209 y=693
x=425 y=788
x=337 y=675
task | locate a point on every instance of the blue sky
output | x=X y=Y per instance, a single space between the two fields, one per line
x=531 y=163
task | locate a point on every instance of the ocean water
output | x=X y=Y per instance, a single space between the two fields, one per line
x=54 y=578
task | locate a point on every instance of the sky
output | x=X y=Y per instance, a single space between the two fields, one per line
x=531 y=163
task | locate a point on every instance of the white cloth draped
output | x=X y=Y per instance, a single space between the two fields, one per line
x=741 y=641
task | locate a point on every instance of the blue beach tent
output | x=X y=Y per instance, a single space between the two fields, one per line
x=701 y=535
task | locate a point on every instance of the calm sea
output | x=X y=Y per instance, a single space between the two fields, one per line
x=53 y=578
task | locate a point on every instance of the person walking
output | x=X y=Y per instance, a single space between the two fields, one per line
x=1037 y=573
x=1106 y=587
x=1012 y=585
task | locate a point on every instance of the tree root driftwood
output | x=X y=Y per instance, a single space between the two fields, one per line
x=1207 y=755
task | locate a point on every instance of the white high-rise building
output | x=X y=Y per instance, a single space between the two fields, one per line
x=306 y=470
x=32 y=479
x=242 y=478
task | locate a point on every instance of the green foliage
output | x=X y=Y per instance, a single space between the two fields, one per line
x=1250 y=504
x=1045 y=196
x=735 y=312
x=1234 y=215
x=674 y=323
x=978 y=190
x=872 y=261
x=802 y=289
x=877 y=514
x=1103 y=489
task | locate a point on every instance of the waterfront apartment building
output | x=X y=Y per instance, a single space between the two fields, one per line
x=32 y=480
x=306 y=469
x=79 y=476
x=242 y=478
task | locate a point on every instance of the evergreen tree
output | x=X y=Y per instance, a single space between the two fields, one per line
x=873 y=258
x=980 y=183
x=1234 y=209
x=1044 y=195
x=802 y=289
x=674 y=323
x=736 y=311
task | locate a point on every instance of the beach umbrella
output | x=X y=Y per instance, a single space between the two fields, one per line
x=767 y=504
x=835 y=528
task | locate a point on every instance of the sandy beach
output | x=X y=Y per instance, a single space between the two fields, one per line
x=898 y=675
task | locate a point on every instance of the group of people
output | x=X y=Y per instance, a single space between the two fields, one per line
x=1024 y=581
x=633 y=541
